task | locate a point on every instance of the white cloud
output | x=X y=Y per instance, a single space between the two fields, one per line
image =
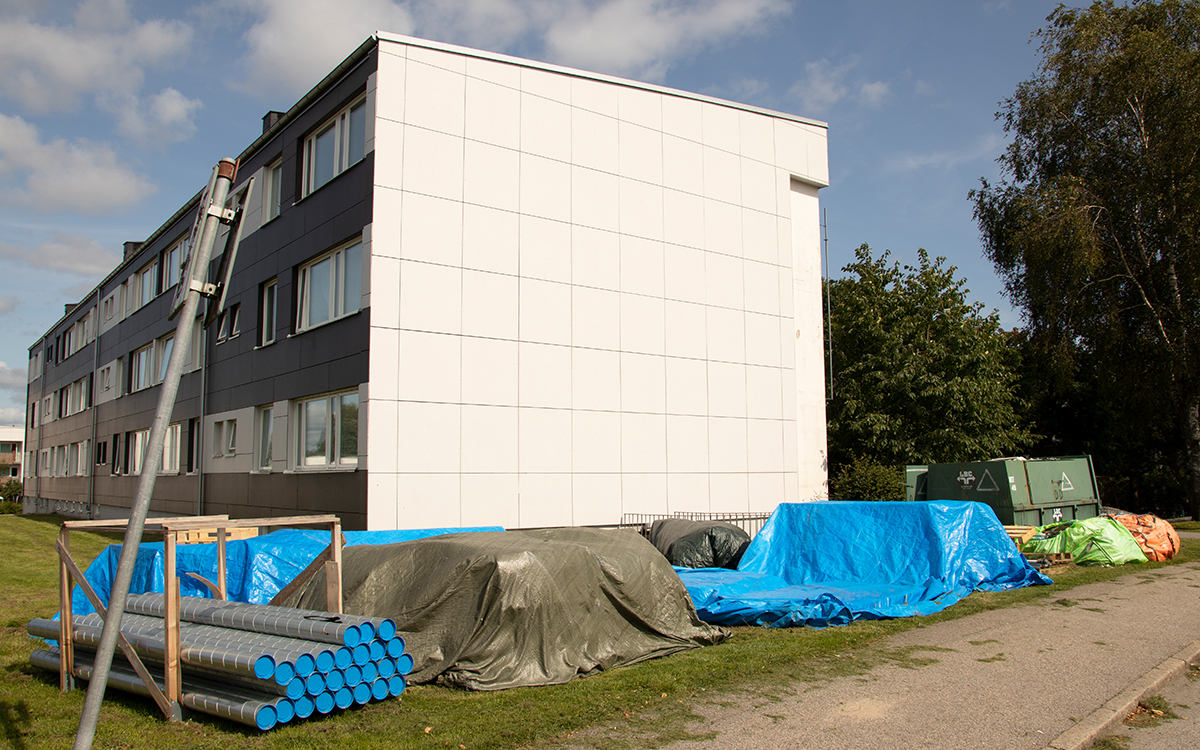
x=47 y=68
x=8 y=304
x=984 y=147
x=153 y=122
x=822 y=86
x=642 y=38
x=12 y=415
x=292 y=43
x=923 y=88
x=12 y=379
x=80 y=175
x=872 y=94
x=295 y=43
x=66 y=252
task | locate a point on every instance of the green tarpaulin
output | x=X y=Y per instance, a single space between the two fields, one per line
x=1091 y=541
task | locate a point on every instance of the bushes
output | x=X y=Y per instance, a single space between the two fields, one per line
x=10 y=497
x=867 y=479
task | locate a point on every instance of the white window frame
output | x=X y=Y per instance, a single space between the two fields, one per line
x=339 y=129
x=162 y=357
x=273 y=189
x=171 y=258
x=170 y=457
x=144 y=283
x=330 y=432
x=268 y=312
x=266 y=436
x=343 y=296
x=137 y=450
x=141 y=365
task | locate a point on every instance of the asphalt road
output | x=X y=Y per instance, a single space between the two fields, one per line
x=1021 y=678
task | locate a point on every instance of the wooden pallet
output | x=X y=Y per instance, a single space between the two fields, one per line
x=1050 y=558
x=1019 y=534
x=206 y=536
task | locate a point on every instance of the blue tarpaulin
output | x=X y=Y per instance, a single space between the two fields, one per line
x=830 y=563
x=256 y=569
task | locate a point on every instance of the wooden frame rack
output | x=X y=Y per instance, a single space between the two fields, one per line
x=175 y=531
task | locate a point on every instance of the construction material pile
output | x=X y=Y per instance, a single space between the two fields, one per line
x=254 y=664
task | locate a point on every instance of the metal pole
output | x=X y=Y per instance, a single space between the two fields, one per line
x=198 y=266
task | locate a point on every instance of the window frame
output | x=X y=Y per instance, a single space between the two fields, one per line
x=268 y=312
x=337 y=295
x=273 y=189
x=332 y=433
x=341 y=125
x=141 y=368
x=264 y=444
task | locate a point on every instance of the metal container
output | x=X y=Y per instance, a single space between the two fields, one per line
x=1022 y=492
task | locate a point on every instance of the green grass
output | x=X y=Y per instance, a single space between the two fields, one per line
x=1187 y=525
x=645 y=705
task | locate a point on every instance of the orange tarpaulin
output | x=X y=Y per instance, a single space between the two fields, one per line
x=1156 y=537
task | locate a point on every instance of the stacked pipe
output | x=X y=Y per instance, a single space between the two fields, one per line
x=251 y=663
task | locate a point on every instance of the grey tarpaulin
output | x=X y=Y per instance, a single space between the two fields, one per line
x=495 y=610
x=699 y=544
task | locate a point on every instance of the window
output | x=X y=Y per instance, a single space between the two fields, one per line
x=265 y=437
x=144 y=282
x=267 y=313
x=328 y=431
x=224 y=438
x=140 y=368
x=137 y=442
x=273 y=190
x=162 y=356
x=330 y=287
x=170 y=455
x=33 y=415
x=107 y=308
x=106 y=378
x=46 y=407
x=35 y=364
x=230 y=323
x=116 y=453
x=193 y=448
x=336 y=145
x=102 y=453
x=172 y=256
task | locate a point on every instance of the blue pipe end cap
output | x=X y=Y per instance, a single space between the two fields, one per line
x=304 y=706
x=367 y=631
x=351 y=637
x=396 y=686
x=295 y=688
x=353 y=675
x=265 y=718
x=379 y=689
x=324 y=703
x=362 y=693
x=387 y=668
x=284 y=672
x=343 y=657
x=264 y=667
x=344 y=698
x=325 y=661
x=395 y=647
x=386 y=629
x=378 y=650
x=362 y=654
x=314 y=685
x=335 y=681
x=369 y=672
x=284 y=711
x=404 y=665
x=305 y=664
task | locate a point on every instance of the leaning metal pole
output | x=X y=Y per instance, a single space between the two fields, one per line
x=198 y=272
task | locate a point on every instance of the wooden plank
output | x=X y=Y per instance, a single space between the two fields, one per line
x=333 y=570
x=66 y=661
x=221 y=591
x=163 y=704
x=303 y=577
x=173 y=681
x=1020 y=534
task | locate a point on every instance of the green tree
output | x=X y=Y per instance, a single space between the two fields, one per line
x=920 y=374
x=1094 y=224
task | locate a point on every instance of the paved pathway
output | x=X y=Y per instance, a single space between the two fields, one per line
x=1019 y=678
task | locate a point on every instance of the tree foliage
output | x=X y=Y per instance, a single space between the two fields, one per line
x=920 y=375
x=1094 y=223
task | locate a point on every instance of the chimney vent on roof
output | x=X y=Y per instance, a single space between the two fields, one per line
x=67 y=308
x=131 y=248
x=270 y=118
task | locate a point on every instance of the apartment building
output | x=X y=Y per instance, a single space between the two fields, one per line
x=471 y=289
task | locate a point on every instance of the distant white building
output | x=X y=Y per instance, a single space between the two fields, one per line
x=474 y=289
x=12 y=440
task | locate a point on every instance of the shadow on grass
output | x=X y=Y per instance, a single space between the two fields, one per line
x=15 y=722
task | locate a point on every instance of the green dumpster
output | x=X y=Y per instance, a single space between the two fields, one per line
x=1022 y=492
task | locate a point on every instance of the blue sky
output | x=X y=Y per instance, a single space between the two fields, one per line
x=113 y=112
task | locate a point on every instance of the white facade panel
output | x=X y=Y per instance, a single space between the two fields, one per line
x=600 y=298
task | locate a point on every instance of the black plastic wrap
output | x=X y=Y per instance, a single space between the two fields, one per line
x=494 y=610
x=699 y=544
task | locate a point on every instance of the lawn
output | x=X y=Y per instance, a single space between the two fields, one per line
x=644 y=705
